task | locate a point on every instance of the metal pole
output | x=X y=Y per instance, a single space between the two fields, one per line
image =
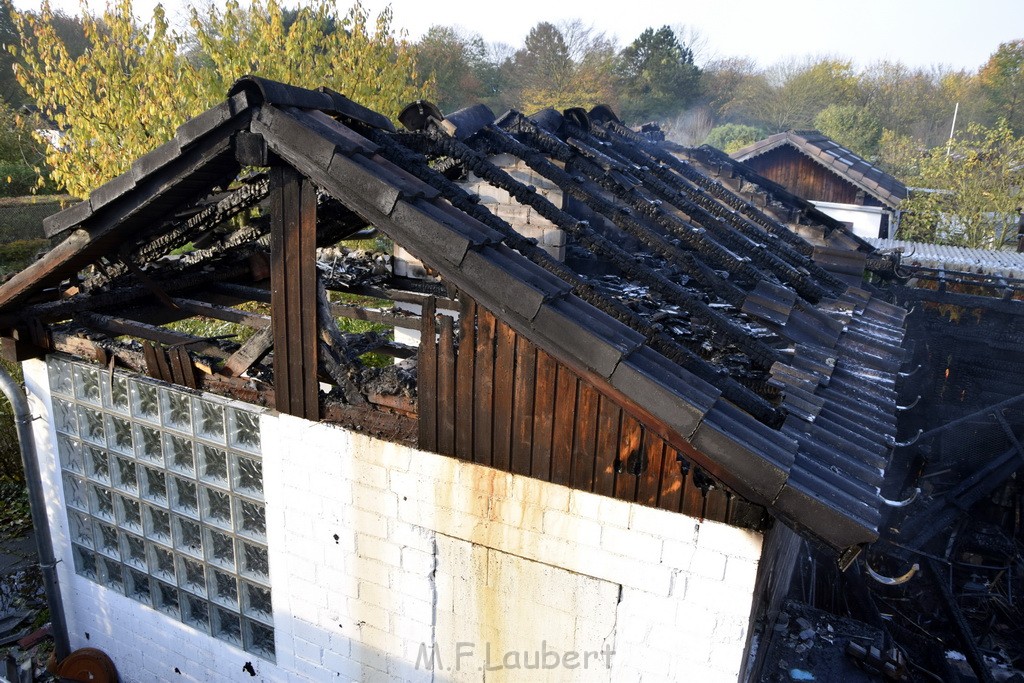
x=37 y=503
x=952 y=129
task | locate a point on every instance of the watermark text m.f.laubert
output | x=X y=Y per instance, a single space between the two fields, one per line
x=467 y=656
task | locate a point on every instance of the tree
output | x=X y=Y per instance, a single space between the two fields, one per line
x=974 y=195
x=656 y=76
x=549 y=71
x=132 y=87
x=1002 y=81
x=733 y=136
x=457 y=62
x=792 y=93
x=117 y=100
x=851 y=126
x=726 y=85
x=363 y=59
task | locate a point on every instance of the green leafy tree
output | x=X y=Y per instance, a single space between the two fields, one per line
x=791 y=94
x=457 y=63
x=131 y=87
x=656 y=76
x=901 y=155
x=124 y=95
x=1002 y=81
x=975 y=190
x=364 y=59
x=551 y=71
x=851 y=126
x=733 y=136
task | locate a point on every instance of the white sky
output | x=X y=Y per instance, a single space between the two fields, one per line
x=958 y=33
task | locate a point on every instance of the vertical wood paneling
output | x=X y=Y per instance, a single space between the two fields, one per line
x=671 y=496
x=504 y=373
x=426 y=379
x=629 y=443
x=649 y=486
x=446 y=387
x=483 y=399
x=585 y=441
x=464 y=380
x=609 y=416
x=522 y=432
x=717 y=504
x=544 y=415
x=497 y=399
x=693 y=498
x=565 y=421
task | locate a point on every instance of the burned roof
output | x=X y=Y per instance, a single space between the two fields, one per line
x=834 y=157
x=735 y=337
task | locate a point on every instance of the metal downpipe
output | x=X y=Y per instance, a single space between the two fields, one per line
x=37 y=503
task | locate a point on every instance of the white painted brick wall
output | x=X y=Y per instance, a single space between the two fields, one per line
x=378 y=552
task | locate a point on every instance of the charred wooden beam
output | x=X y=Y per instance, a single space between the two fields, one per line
x=225 y=313
x=957 y=620
x=124 y=327
x=293 y=292
x=338 y=360
x=375 y=422
x=254 y=348
x=65 y=308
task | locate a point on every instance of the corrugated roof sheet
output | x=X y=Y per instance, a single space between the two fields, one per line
x=1004 y=262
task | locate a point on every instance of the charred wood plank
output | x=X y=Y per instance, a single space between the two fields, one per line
x=367 y=420
x=483 y=386
x=152 y=365
x=958 y=621
x=185 y=368
x=123 y=327
x=395 y=294
x=522 y=408
x=504 y=372
x=426 y=375
x=166 y=373
x=249 y=353
x=543 y=415
x=225 y=313
x=446 y=387
x=338 y=358
x=565 y=423
x=464 y=380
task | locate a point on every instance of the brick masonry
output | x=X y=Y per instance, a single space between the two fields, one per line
x=385 y=559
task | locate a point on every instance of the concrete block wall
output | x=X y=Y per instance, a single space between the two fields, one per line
x=392 y=564
x=522 y=218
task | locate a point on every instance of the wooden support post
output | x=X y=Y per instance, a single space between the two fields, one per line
x=426 y=376
x=293 y=292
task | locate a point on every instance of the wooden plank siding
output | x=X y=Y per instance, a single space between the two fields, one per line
x=494 y=398
x=807 y=178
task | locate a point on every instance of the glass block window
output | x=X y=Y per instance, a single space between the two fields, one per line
x=164 y=494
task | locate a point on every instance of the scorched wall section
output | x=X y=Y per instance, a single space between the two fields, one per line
x=388 y=563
